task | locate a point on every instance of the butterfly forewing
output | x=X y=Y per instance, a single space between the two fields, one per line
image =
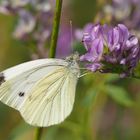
x=19 y=80
x=43 y=92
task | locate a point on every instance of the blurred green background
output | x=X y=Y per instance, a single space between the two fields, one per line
x=106 y=107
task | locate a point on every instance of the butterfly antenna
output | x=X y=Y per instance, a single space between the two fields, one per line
x=71 y=35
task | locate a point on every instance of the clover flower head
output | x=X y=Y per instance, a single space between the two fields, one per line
x=110 y=49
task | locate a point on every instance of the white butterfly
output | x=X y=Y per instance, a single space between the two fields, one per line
x=43 y=90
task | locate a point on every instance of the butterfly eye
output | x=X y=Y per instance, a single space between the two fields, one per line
x=2 y=78
x=21 y=94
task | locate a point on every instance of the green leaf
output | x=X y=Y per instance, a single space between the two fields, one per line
x=90 y=97
x=119 y=95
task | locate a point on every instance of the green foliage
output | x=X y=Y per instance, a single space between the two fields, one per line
x=89 y=98
x=20 y=132
x=119 y=95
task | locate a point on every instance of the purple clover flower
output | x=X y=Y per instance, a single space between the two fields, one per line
x=110 y=49
x=29 y=21
x=25 y=25
x=124 y=11
x=35 y=25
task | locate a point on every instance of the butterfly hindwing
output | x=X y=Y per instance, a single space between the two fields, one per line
x=51 y=99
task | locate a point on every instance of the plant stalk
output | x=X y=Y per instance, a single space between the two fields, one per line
x=55 y=30
x=38 y=134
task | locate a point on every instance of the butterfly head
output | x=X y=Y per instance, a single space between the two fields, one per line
x=73 y=58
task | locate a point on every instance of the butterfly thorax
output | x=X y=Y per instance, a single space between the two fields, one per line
x=73 y=63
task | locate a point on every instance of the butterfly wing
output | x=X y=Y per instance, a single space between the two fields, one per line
x=16 y=82
x=51 y=99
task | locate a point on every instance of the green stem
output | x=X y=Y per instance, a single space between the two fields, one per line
x=38 y=134
x=55 y=30
x=54 y=37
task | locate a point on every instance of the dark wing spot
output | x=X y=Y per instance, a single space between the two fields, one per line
x=2 y=78
x=21 y=94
